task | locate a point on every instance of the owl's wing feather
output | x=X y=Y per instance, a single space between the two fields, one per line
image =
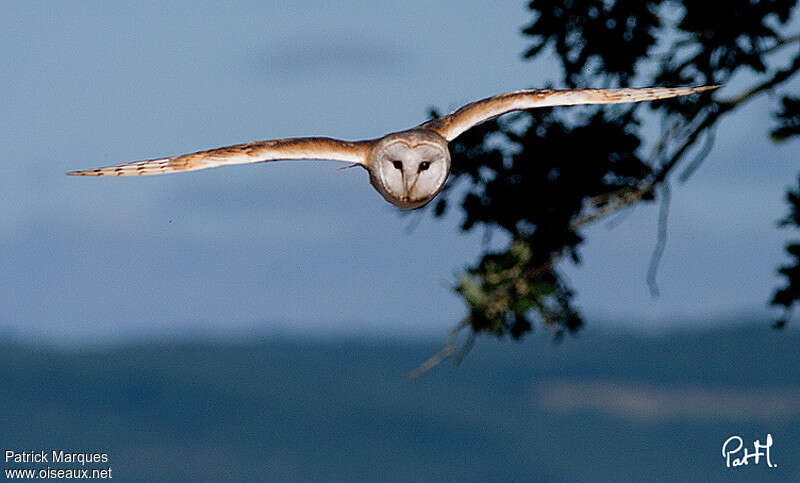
x=255 y=152
x=472 y=114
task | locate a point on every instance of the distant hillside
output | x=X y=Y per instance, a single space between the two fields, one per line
x=596 y=407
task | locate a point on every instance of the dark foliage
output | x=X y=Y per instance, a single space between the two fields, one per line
x=789 y=294
x=538 y=177
x=789 y=120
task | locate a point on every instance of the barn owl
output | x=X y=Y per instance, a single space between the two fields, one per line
x=408 y=168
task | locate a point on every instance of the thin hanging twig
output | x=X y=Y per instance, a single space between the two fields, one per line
x=661 y=243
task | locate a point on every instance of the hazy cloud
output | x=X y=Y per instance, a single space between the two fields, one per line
x=308 y=56
x=653 y=403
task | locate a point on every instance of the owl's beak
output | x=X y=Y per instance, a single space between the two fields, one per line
x=409 y=181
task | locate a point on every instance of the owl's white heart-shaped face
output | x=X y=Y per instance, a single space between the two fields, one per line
x=410 y=168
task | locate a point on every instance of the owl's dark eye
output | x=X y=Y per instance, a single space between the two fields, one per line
x=398 y=164
x=424 y=165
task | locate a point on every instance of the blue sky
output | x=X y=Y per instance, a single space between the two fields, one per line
x=300 y=244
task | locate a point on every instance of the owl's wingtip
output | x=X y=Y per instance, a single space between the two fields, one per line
x=84 y=172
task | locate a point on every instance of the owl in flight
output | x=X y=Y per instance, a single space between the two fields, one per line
x=408 y=168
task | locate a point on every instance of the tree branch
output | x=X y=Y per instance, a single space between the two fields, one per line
x=699 y=158
x=779 y=77
x=724 y=107
x=780 y=43
x=443 y=354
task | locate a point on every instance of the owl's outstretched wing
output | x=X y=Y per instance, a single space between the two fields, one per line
x=451 y=125
x=255 y=152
